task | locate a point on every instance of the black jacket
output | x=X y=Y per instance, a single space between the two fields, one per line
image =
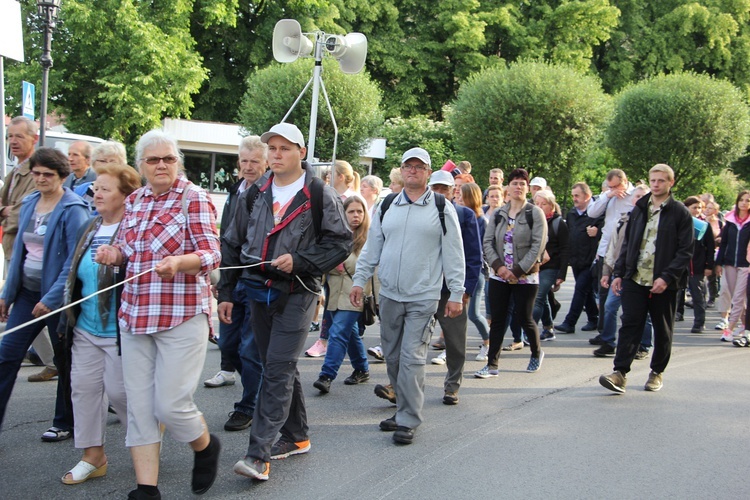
x=557 y=246
x=703 y=254
x=674 y=243
x=229 y=207
x=734 y=243
x=582 y=247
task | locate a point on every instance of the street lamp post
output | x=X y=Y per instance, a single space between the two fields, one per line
x=48 y=10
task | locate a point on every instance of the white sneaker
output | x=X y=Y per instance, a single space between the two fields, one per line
x=220 y=379
x=376 y=352
x=722 y=325
x=439 y=359
x=482 y=356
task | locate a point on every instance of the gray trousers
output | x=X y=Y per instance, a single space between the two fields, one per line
x=280 y=336
x=405 y=335
x=454 y=334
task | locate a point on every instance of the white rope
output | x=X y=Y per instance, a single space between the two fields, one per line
x=84 y=299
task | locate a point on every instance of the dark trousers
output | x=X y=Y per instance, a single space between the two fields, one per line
x=637 y=302
x=523 y=300
x=280 y=336
x=454 y=334
x=13 y=348
x=602 y=292
x=237 y=345
x=697 y=287
x=583 y=297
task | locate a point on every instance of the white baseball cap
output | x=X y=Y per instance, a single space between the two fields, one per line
x=538 y=181
x=418 y=153
x=288 y=131
x=442 y=177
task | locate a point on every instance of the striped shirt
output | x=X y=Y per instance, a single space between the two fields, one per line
x=157 y=228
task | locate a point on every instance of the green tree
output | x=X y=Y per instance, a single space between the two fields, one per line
x=418 y=131
x=122 y=65
x=703 y=36
x=696 y=124
x=539 y=116
x=355 y=100
x=558 y=31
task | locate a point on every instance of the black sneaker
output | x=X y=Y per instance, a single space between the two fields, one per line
x=357 y=377
x=403 y=435
x=597 y=340
x=642 y=353
x=604 y=351
x=547 y=335
x=696 y=329
x=679 y=317
x=238 y=421
x=314 y=327
x=386 y=392
x=589 y=327
x=389 y=424
x=323 y=384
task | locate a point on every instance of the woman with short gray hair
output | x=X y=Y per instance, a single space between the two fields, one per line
x=169 y=244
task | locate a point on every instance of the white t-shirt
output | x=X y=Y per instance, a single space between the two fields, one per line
x=283 y=196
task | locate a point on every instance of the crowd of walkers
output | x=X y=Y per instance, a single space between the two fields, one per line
x=121 y=266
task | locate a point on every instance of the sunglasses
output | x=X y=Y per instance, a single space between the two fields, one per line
x=154 y=160
x=46 y=175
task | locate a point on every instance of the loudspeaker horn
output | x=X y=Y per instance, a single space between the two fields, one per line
x=349 y=50
x=288 y=41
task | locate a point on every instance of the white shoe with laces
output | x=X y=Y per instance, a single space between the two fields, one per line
x=220 y=379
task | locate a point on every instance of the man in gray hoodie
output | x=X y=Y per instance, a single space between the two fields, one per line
x=414 y=246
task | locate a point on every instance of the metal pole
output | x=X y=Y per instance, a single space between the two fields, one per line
x=315 y=95
x=46 y=62
x=2 y=114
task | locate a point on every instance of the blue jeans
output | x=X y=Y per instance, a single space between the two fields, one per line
x=542 y=309
x=237 y=344
x=609 y=333
x=474 y=315
x=13 y=348
x=343 y=338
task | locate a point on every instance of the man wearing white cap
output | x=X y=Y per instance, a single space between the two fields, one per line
x=536 y=185
x=413 y=253
x=292 y=229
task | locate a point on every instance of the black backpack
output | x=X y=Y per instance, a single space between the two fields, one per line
x=439 y=203
x=529 y=215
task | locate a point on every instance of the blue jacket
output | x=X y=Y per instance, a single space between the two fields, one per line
x=472 y=246
x=60 y=242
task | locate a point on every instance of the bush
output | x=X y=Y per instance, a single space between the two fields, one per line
x=355 y=100
x=695 y=123
x=538 y=116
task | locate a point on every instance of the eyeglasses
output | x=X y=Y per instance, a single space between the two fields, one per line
x=154 y=160
x=415 y=168
x=46 y=175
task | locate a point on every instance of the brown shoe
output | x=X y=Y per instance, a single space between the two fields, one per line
x=44 y=375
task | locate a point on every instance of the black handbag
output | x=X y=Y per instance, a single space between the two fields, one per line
x=370 y=309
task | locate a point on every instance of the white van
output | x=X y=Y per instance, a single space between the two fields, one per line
x=54 y=139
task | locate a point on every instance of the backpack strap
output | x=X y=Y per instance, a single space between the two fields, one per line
x=385 y=204
x=439 y=203
x=529 y=211
x=316 y=204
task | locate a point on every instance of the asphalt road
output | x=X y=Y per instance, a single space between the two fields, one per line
x=552 y=434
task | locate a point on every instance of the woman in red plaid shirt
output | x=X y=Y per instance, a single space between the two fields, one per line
x=169 y=228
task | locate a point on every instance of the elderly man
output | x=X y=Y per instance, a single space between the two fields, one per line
x=585 y=232
x=79 y=157
x=289 y=229
x=536 y=185
x=236 y=339
x=416 y=247
x=651 y=268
